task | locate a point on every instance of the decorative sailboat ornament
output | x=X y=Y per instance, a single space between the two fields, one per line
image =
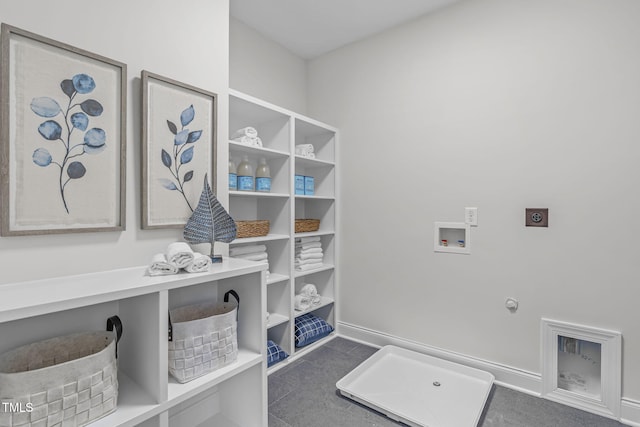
x=210 y=222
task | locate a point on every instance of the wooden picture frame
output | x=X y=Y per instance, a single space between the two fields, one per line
x=179 y=125
x=63 y=137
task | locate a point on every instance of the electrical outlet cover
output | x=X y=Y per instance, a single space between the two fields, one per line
x=536 y=217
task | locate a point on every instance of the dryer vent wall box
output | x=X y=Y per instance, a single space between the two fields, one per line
x=536 y=217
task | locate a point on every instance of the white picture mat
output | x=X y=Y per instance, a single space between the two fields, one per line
x=93 y=200
x=166 y=102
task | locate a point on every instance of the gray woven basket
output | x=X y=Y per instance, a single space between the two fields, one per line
x=203 y=338
x=65 y=381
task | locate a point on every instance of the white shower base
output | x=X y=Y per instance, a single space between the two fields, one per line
x=419 y=390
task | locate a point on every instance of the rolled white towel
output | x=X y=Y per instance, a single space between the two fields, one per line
x=179 y=254
x=248 y=249
x=304 y=240
x=309 y=256
x=160 y=267
x=260 y=256
x=309 y=245
x=248 y=131
x=257 y=142
x=200 y=263
x=302 y=302
x=309 y=290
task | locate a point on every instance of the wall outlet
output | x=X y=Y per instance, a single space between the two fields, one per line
x=471 y=216
x=536 y=217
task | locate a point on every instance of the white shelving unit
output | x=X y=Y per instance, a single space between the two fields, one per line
x=280 y=131
x=148 y=396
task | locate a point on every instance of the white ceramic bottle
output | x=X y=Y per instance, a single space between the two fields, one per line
x=233 y=177
x=263 y=176
x=245 y=175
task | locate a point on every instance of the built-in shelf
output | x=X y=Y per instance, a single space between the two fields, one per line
x=267 y=238
x=276 y=319
x=313 y=163
x=323 y=267
x=267 y=153
x=257 y=194
x=324 y=301
x=280 y=131
x=36 y=310
x=300 y=196
x=276 y=278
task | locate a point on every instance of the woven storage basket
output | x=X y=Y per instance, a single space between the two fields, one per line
x=307 y=225
x=203 y=338
x=66 y=381
x=252 y=228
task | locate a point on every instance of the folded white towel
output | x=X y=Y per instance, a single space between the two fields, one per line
x=308 y=266
x=302 y=302
x=309 y=256
x=249 y=131
x=309 y=251
x=159 y=266
x=304 y=240
x=310 y=245
x=248 y=249
x=179 y=254
x=260 y=256
x=200 y=263
x=308 y=261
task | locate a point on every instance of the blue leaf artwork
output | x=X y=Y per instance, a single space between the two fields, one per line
x=182 y=153
x=94 y=140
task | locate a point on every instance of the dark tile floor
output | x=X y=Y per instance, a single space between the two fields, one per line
x=303 y=394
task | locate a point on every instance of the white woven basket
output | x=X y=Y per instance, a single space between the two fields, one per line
x=202 y=338
x=65 y=381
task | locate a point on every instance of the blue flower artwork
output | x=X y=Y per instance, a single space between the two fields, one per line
x=73 y=119
x=181 y=153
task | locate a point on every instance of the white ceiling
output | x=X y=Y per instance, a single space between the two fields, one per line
x=310 y=28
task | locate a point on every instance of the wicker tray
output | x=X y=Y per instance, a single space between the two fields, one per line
x=252 y=228
x=307 y=225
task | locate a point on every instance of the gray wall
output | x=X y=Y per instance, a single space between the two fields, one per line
x=188 y=42
x=502 y=105
x=265 y=69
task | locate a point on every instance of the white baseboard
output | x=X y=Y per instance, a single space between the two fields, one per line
x=506 y=376
x=630 y=412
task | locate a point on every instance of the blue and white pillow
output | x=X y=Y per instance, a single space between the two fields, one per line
x=275 y=353
x=310 y=328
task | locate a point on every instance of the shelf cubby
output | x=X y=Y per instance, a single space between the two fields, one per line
x=323 y=139
x=273 y=209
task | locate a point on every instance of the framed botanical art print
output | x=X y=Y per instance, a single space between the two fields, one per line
x=62 y=143
x=178 y=149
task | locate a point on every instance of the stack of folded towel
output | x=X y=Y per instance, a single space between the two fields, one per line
x=251 y=253
x=308 y=253
x=178 y=256
x=305 y=150
x=307 y=298
x=248 y=136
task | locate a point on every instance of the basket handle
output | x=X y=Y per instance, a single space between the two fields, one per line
x=114 y=322
x=236 y=296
